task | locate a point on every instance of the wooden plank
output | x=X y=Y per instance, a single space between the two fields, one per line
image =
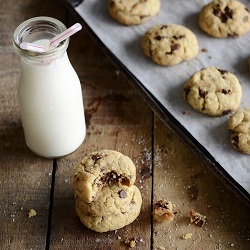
x=180 y=178
x=117 y=119
x=25 y=179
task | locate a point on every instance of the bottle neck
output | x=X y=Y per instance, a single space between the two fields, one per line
x=36 y=30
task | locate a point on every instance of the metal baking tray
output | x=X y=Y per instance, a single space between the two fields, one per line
x=176 y=127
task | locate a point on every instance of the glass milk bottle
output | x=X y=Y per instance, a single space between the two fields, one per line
x=49 y=91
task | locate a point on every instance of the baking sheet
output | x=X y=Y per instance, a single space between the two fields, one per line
x=166 y=83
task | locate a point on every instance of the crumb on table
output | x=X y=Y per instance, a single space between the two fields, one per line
x=32 y=213
x=187 y=236
x=163 y=211
x=197 y=218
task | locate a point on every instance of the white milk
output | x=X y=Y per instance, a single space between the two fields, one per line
x=51 y=107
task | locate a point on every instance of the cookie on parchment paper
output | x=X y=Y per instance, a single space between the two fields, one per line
x=239 y=123
x=132 y=12
x=169 y=44
x=225 y=18
x=213 y=91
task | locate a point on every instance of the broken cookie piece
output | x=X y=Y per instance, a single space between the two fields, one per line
x=197 y=218
x=163 y=211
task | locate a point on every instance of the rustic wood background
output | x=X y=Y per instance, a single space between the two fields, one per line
x=117 y=118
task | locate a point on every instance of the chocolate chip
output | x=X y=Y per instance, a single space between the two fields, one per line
x=109 y=178
x=96 y=157
x=122 y=194
x=125 y=181
x=164 y=27
x=224 y=91
x=235 y=141
x=202 y=93
x=173 y=47
x=162 y=204
x=186 y=91
x=224 y=16
x=158 y=38
x=225 y=112
x=178 y=37
x=222 y=71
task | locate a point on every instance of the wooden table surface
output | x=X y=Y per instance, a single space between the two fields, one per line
x=117 y=118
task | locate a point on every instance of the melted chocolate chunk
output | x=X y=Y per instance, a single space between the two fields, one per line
x=109 y=178
x=96 y=157
x=224 y=16
x=112 y=177
x=158 y=38
x=202 y=93
x=125 y=181
x=173 y=47
x=224 y=91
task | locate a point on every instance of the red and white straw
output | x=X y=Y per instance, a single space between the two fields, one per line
x=32 y=47
x=54 y=41
x=64 y=35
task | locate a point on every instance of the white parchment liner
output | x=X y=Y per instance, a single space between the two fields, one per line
x=166 y=83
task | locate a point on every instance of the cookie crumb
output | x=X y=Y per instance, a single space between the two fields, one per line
x=131 y=242
x=32 y=213
x=119 y=237
x=163 y=211
x=160 y=248
x=197 y=218
x=185 y=113
x=204 y=50
x=187 y=236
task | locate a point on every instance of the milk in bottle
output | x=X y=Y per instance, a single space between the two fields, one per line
x=49 y=91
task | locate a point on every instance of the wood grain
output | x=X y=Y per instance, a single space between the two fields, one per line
x=117 y=118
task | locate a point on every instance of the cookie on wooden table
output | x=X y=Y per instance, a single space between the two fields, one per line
x=239 y=123
x=111 y=200
x=102 y=168
x=169 y=44
x=113 y=208
x=224 y=18
x=132 y=12
x=213 y=91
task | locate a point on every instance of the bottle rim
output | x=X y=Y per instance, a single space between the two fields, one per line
x=38 y=28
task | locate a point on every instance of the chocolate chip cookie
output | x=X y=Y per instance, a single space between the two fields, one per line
x=213 y=91
x=224 y=18
x=113 y=209
x=102 y=168
x=239 y=123
x=132 y=12
x=111 y=200
x=169 y=44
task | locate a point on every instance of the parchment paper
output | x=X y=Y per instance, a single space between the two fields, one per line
x=166 y=83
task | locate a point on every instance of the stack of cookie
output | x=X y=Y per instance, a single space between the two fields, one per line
x=106 y=197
